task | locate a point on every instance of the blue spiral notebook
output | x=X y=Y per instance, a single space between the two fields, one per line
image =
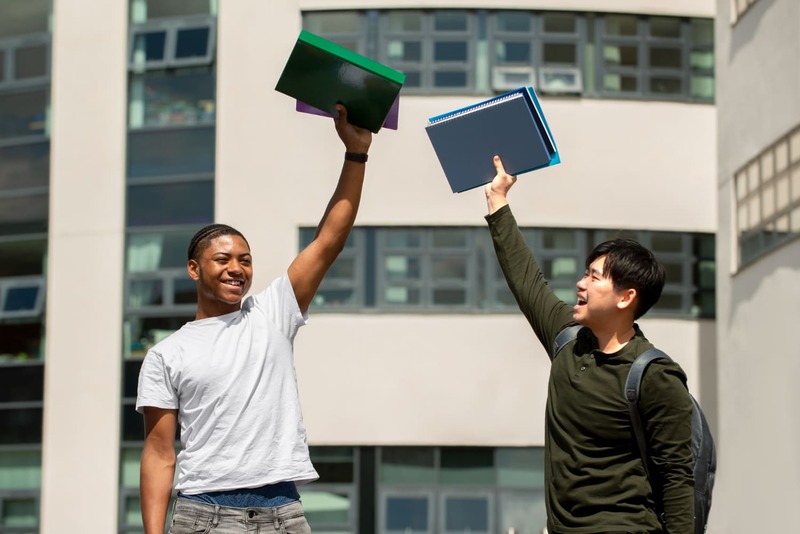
x=510 y=125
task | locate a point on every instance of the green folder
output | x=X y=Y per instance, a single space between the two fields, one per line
x=321 y=74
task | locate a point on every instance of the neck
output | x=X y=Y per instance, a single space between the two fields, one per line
x=204 y=311
x=612 y=340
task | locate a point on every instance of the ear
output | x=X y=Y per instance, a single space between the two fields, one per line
x=193 y=268
x=626 y=299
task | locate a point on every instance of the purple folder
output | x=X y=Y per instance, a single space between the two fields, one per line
x=390 y=121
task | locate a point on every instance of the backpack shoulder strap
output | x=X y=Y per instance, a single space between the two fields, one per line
x=565 y=336
x=632 y=385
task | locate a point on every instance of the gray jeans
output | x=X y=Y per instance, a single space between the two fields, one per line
x=192 y=517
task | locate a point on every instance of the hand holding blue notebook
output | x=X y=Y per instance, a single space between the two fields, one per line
x=511 y=126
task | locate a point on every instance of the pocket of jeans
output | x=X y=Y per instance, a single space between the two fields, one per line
x=295 y=525
x=189 y=525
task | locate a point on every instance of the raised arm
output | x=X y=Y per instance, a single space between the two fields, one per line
x=309 y=267
x=545 y=312
x=158 y=467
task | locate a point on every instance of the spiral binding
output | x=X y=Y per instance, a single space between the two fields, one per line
x=476 y=107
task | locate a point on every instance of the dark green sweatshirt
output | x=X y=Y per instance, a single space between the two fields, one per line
x=595 y=480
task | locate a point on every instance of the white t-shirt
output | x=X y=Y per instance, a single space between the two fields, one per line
x=233 y=382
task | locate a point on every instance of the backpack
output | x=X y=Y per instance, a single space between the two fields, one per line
x=703 y=449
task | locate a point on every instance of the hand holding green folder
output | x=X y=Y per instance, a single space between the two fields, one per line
x=321 y=73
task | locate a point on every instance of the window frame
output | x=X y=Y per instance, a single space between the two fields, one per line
x=9 y=46
x=34 y=495
x=760 y=234
x=16 y=282
x=428 y=38
x=171 y=28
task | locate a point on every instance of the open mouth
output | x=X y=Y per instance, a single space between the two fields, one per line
x=235 y=283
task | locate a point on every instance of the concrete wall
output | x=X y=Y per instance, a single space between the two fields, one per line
x=80 y=452
x=758 y=81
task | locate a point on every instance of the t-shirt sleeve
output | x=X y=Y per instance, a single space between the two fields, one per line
x=155 y=386
x=279 y=303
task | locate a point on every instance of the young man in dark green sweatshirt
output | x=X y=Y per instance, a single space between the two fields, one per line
x=595 y=479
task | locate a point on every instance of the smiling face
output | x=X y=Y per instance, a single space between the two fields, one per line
x=598 y=301
x=223 y=270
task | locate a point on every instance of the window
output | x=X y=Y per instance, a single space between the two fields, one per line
x=144 y=10
x=170 y=194
x=460 y=489
x=172 y=43
x=483 y=51
x=767 y=199
x=25 y=61
x=181 y=98
x=24 y=181
x=24 y=166
x=331 y=503
x=20 y=478
x=171 y=152
x=425 y=268
x=170 y=203
x=454 y=269
x=345 y=28
x=22 y=213
x=436 y=50
x=525 y=45
x=21 y=297
x=23 y=114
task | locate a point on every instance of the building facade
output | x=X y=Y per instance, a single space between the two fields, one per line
x=758 y=258
x=127 y=125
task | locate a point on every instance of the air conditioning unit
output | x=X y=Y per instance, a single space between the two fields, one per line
x=560 y=81
x=508 y=78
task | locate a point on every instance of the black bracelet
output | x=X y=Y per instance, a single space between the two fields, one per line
x=360 y=157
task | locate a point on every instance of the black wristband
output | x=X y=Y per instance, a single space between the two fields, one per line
x=360 y=157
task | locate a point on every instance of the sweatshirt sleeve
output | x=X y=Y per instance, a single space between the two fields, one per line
x=667 y=414
x=546 y=313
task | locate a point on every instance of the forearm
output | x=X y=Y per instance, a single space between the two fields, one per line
x=157 y=473
x=545 y=312
x=667 y=411
x=679 y=507
x=340 y=214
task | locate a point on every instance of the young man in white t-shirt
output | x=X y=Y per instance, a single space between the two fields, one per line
x=227 y=378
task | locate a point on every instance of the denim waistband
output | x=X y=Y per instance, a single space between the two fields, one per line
x=269 y=496
x=214 y=513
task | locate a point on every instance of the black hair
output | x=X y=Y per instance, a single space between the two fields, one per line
x=206 y=234
x=630 y=265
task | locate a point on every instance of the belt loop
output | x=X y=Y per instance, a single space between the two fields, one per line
x=215 y=521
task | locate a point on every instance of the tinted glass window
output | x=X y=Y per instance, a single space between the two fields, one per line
x=179 y=203
x=23 y=114
x=192 y=42
x=23 y=215
x=24 y=166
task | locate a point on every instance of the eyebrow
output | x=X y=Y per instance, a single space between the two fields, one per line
x=228 y=254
